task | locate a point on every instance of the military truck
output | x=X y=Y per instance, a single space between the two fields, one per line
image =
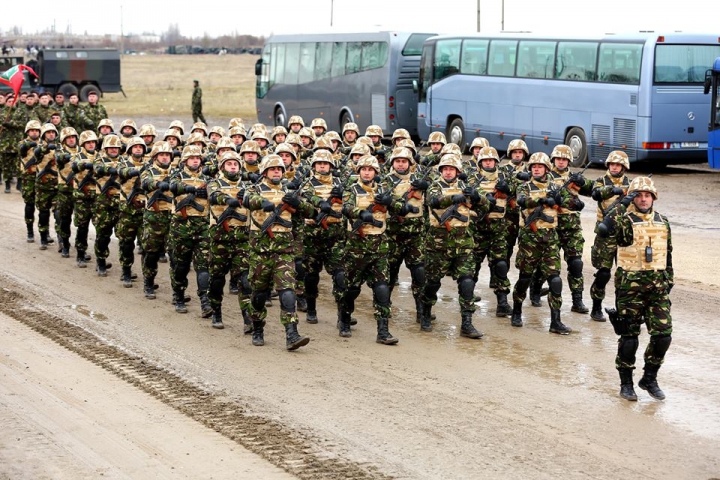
x=79 y=70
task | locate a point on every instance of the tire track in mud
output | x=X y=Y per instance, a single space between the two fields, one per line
x=294 y=451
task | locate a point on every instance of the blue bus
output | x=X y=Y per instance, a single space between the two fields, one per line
x=364 y=78
x=641 y=93
x=712 y=86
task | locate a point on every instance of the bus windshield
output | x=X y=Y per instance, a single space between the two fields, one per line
x=683 y=63
x=415 y=43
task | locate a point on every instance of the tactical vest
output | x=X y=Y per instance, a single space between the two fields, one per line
x=131 y=187
x=610 y=181
x=323 y=184
x=164 y=199
x=364 y=199
x=47 y=169
x=559 y=178
x=274 y=194
x=28 y=158
x=188 y=177
x=85 y=180
x=402 y=185
x=65 y=176
x=436 y=213
x=108 y=185
x=650 y=239
x=487 y=184
x=230 y=188
x=539 y=190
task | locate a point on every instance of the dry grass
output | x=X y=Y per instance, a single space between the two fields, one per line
x=161 y=86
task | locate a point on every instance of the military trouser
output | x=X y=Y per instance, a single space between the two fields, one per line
x=272 y=262
x=44 y=199
x=602 y=255
x=512 y=224
x=450 y=253
x=407 y=243
x=64 y=205
x=8 y=164
x=229 y=254
x=84 y=207
x=538 y=251
x=642 y=297
x=129 y=227
x=299 y=249
x=366 y=260
x=28 y=195
x=154 y=234
x=197 y=115
x=105 y=219
x=323 y=248
x=490 y=237
x=191 y=246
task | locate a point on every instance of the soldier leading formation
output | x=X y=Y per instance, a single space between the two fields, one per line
x=270 y=210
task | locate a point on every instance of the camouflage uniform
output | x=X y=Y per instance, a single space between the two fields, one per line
x=28 y=173
x=93 y=114
x=197 y=103
x=132 y=207
x=9 y=148
x=517 y=171
x=85 y=193
x=64 y=202
x=46 y=185
x=43 y=113
x=107 y=205
x=75 y=117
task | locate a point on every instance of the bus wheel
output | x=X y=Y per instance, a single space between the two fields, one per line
x=575 y=139
x=279 y=117
x=345 y=118
x=456 y=133
x=86 y=89
x=67 y=89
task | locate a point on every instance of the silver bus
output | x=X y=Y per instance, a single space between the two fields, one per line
x=365 y=78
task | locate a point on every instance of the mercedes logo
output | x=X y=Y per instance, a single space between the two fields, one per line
x=691 y=116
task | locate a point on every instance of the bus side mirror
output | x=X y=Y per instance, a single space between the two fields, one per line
x=708 y=82
x=258 y=67
x=415 y=86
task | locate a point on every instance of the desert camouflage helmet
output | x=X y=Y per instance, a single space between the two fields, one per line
x=367 y=161
x=191 y=151
x=360 y=149
x=111 y=141
x=373 y=130
x=293 y=139
x=47 y=127
x=178 y=125
x=260 y=134
x=219 y=130
x=437 y=137
x=286 y=148
x=318 y=122
x=323 y=143
x=106 y=122
x=279 y=130
x=451 y=148
x=148 y=129
x=129 y=122
x=135 y=141
x=350 y=127
x=225 y=142
x=518 y=144
x=226 y=156
x=400 y=133
x=407 y=143
x=402 y=152
x=366 y=141
x=539 y=158
x=173 y=132
x=562 y=151
x=270 y=161
x=479 y=142
x=643 y=184
x=296 y=119
x=87 y=136
x=239 y=130
x=196 y=137
x=250 y=146
x=333 y=136
x=307 y=132
x=160 y=147
x=257 y=127
x=487 y=153
x=201 y=126
x=452 y=160
x=236 y=122
x=67 y=132
x=32 y=125
x=618 y=156
x=323 y=156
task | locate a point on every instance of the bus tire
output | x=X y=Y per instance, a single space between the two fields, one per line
x=86 y=89
x=67 y=89
x=575 y=139
x=279 y=117
x=456 y=133
x=345 y=117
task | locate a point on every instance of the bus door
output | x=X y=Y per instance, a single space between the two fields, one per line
x=424 y=93
x=712 y=86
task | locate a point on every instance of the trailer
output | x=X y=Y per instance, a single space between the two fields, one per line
x=79 y=70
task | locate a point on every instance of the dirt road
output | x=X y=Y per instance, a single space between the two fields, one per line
x=518 y=403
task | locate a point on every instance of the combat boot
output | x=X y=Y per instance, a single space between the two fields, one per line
x=65 y=252
x=383 y=334
x=535 y=297
x=217 y=318
x=125 y=278
x=293 y=340
x=258 y=339
x=30 y=233
x=419 y=310
x=516 y=318
x=162 y=258
x=81 y=263
x=343 y=324
x=149 y=287
x=247 y=323
x=649 y=383
x=577 y=303
x=626 y=385
x=234 y=289
x=597 y=313
x=302 y=305
x=18 y=185
x=7 y=186
x=312 y=311
x=556 y=326
x=178 y=300
x=467 y=329
x=206 y=309
x=43 y=240
x=60 y=243
x=101 y=267
x=503 y=307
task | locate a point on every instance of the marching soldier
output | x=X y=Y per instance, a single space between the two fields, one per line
x=105 y=128
x=295 y=124
x=43 y=109
x=436 y=141
x=350 y=134
x=28 y=173
x=64 y=203
x=93 y=111
x=319 y=127
x=515 y=169
x=46 y=185
x=128 y=130
x=85 y=193
x=107 y=205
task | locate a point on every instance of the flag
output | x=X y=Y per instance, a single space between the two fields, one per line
x=14 y=78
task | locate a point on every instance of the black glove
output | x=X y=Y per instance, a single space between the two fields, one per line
x=88 y=166
x=291 y=199
x=32 y=144
x=420 y=184
x=549 y=201
x=176 y=153
x=267 y=205
x=577 y=179
x=669 y=288
x=458 y=198
x=617 y=191
x=407 y=208
x=123 y=149
x=463 y=176
x=384 y=199
x=133 y=172
x=336 y=192
x=472 y=193
x=325 y=207
x=164 y=186
x=627 y=200
x=23 y=150
x=491 y=199
x=253 y=177
x=189 y=189
x=206 y=171
x=366 y=216
x=201 y=192
x=232 y=202
x=523 y=176
x=51 y=146
x=293 y=184
x=502 y=187
x=576 y=204
x=112 y=170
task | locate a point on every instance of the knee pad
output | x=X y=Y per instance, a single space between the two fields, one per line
x=203 y=280
x=339 y=279
x=381 y=292
x=659 y=345
x=602 y=277
x=258 y=300
x=466 y=287
x=555 y=283
x=575 y=267
x=299 y=268
x=311 y=284
x=245 y=283
x=287 y=300
x=501 y=269
x=523 y=283
x=417 y=273
x=627 y=347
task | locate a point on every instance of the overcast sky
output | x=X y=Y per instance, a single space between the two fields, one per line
x=218 y=17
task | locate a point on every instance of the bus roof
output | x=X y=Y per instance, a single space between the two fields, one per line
x=653 y=37
x=344 y=37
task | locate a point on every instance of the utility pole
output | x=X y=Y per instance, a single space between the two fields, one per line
x=332 y=4
x=478 y=16
x=502 y=21
x=122 y=37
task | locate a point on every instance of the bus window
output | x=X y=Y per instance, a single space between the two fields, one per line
x=354 y=55
x=277 y=64
x=339 y=56
x=474 y=57
x=323 y=60
x=374 y=55
x=447 y=58
x=576 y=61
x=307 y=62
x=683 y=63
x=536 y=59
x=620 y=63
x=503 y=54
x=414 y=44
x=292 y=54
x=425 y=72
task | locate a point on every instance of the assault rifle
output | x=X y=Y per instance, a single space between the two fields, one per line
x=189 y=201
x=157 y=195
x=230 y=214
x=111 y=183
x=452 y=212
x=275 y=216
x=359 y=223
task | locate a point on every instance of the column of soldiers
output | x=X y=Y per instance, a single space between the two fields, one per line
x=275 y=209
